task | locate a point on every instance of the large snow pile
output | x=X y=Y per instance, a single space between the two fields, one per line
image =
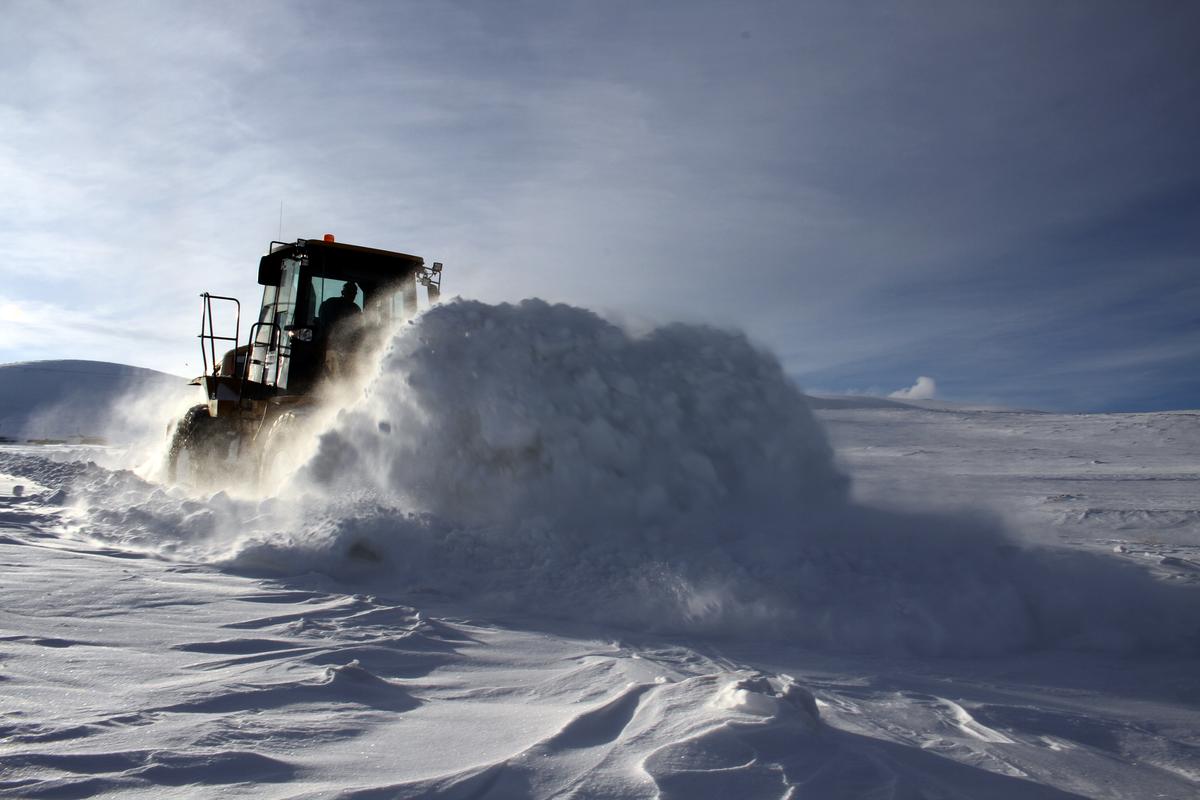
x=538 y=458
x=533 y=414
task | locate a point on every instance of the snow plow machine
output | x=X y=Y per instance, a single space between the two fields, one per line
x=324 y=304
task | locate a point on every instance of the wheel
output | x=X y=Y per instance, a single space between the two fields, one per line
x=199 y=445
x=271 y=448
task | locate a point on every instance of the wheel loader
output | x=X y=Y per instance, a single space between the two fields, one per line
x=323 y=304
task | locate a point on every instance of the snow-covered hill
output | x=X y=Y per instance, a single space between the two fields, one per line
x=536 y=557
x=70 y=399
x=824 y=402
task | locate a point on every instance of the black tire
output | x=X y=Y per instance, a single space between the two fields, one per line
x=277 y=435
x=204 y=440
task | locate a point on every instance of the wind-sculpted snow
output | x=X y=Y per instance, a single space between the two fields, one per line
x=538 y=458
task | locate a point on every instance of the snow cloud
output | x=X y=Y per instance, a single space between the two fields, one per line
x=924 y=389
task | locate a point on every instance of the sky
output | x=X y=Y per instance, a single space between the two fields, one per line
x=1001 y=199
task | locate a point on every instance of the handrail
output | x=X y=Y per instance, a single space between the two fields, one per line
x=206 y=316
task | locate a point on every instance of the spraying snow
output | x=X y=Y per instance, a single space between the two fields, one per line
x=536 y=457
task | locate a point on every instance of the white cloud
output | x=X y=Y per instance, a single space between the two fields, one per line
x=11 y=312
x=32 y=330
x=924 y=389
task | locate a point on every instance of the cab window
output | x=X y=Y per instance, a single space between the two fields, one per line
x=329 y=300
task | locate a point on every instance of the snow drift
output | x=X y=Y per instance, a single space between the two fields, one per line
x=538 y=458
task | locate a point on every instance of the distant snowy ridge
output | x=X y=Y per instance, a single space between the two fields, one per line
x=829 y=401
x=69 y=398
x=839 y=401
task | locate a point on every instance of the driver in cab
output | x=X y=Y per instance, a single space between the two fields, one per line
x=336 y=309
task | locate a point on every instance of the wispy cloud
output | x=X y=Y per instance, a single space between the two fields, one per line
x=33 y=330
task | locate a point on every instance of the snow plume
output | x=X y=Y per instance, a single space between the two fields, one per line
x=924 y=389
x=537 y=458
x=140 y=420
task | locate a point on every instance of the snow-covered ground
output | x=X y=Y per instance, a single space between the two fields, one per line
x=537 y=557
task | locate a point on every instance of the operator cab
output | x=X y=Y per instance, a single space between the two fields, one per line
x=320 y=298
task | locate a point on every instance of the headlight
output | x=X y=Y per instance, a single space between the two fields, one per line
x=302 y=334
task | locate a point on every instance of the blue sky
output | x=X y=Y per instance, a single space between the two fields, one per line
x=1004 y=197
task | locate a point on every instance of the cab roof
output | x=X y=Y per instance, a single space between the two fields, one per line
x=337 y=256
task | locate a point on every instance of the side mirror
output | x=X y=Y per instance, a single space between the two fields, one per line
x=270 y=270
